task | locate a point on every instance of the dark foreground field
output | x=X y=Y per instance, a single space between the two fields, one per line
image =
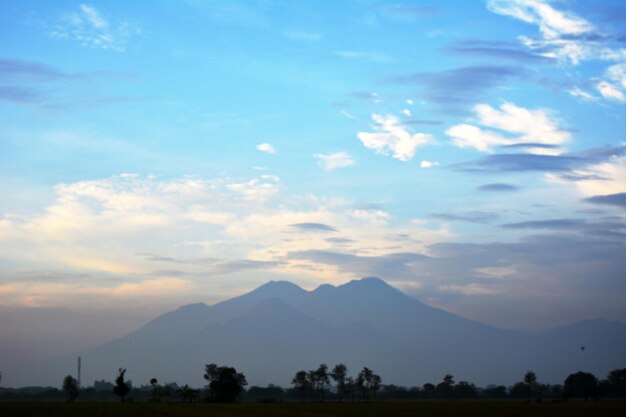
x=413 y=409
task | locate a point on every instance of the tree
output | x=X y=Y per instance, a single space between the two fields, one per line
x=156 y=390
x=187 y=394
x=225 y=383
x=448 y=384
x=321 y=379
x=350 y=387
x=530 y=379
x=121 y=388
x=581 y=384
x=616 y=383
x=428 y=390
x=375 y=384
x=301 y=383
x=339 y=374
x=368 y=382
x=70 y=386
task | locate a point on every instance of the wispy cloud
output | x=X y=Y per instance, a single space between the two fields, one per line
x=594 y=168
x=91 y=28
x=497 y=50
x=451 y=90
x=618 y=199
x=36 y=83
x=332 y=161
x=313 y=227
x=498 y=187
x=470 y=216
x=391 y=138
x=570 y=40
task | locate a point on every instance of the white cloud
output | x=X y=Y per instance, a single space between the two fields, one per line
x=617 y=74
x=409 y=102
x=266 y=147
x=347 y=114
x=407 y=112
x=552 y=23
x=468 y=289
x=257 y=189
x=332 y=161
x=567 y=38
x=428 y=164
x=90 y=28
x=194 y=226
x=577 y=92
x=496 y=272
x=514 y=125
x=610 y=91
x=605 y=178
x=392 y=138
x=613 y=84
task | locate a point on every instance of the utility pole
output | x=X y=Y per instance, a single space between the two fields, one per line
x=78 y=379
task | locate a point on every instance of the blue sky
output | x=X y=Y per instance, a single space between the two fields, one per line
x=472 y=153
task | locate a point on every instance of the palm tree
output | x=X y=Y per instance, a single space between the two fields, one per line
x=339 y=374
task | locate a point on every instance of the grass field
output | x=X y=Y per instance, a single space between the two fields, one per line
x=391 y=408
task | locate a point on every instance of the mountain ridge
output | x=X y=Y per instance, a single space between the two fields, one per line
x=278 y=328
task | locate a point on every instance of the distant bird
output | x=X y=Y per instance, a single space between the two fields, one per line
x=582 y=348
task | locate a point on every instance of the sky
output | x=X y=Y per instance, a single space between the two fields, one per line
x=154 y=154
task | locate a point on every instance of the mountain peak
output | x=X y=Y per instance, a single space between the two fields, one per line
x=368 y=282
x=277 y=289
x=279 y=285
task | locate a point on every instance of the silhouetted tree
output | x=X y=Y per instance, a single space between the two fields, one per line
x=428 y=390
x=447 y=384
x=375 y=384
x=70 y=386
x=156 y=391
x=301 y=383
x=581 y=384
x=530 y=379
x=615 y=383
x=350 y=387
x=187 y=394
x=339 y=374
x=465 y=390
x=321 y=379
x=121 y=388
x=368 y=382
x=225 y=383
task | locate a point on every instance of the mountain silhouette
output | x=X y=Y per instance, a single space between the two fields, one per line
x=279 y=328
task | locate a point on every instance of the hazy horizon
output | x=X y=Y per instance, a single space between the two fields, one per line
x=469 y=153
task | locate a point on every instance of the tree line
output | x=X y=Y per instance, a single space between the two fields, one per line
x=314 y=384
x=226 y=384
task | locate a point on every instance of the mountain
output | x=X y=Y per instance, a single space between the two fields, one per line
x=279 y=328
